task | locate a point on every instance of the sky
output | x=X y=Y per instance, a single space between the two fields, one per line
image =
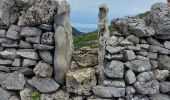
x=84 y=13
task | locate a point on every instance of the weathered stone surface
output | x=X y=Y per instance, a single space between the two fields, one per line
x=46 y=56
x=47 y=38
x=4 y=69
x=108 y=92
x=46 y=27
x=8 y=12
x=25 y=45
x=145 y=76
x=13 y=81
x=134 y=48
x=112 y=41
x=139 y=65
x=33 y=39
x=43 y=47
x=44 y=85
x=14 y=98
x=63 y=49
x=30 y=32
x=24 y=70
x=16 y=62
x=114 y=49
x=143 y=46
x=130 y=90
x=125 y=43
x=158 y=49
x=43 y=69
x=167 y=44
x=154 y=64
x=130 y=77
x=9 y=43
x=13 y=32
x=25 y=94
x=118 y=84
x=133 y=39
x=164 y=87
x=28 y=63
x=129 y=55
x=152 y=55
x=5 y=95
x=164 y=62
x=160 y=97
x=41 y=11
x=86 y=58
x=2 y=33
x=5 y=62
x=161 y=75
x=8 y=54
x=81 y=81
x=114 y=57
x=115 y=69
x=28 y=54
x=141 y=58
x=153 y=41
x=134 y=26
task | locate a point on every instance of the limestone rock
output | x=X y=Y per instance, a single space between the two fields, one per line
x=160 y=97
x=112 y=41
x=8 y=54
x=44 y=85
x=117 y=84
x=43 y=69
x=46 y=27
x=14 y=81
x=164 y=62
x=139 y=65
x=130 y=77
x=114 y=49
x=167 y=44
x=16 y=62
x=158 y=49
x=164 y=87
x=35 y=39
x=9 y=43
x=28 y=54
x=108 y=92
x=133 y=39
x=30 y=32
x=161 y=75
x=47 y=38
x=13 y=32
x=46 y=56
x=5 y=62
x=129 y=55
x=43 y=47
x=115 y=69
x=25 y=94
x=25 y=45
x=2 y=33
x=81 y=81
x=5 y=95
x=4 y=69
x=28 y=63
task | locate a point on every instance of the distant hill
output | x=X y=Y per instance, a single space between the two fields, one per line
x=75 y=31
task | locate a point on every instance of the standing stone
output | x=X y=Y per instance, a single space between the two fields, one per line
x=103 y=34
x=63 y=49
x=13 y=32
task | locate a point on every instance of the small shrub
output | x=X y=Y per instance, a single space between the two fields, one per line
x=35 y=96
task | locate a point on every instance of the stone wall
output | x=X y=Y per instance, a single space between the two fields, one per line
x=136 y=58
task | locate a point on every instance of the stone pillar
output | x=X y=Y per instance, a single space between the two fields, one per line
x=63 y=42
x=103 y=34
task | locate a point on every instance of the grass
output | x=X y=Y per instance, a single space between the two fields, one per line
x=35 y=96
x=142 y=15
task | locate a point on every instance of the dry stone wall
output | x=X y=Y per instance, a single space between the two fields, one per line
x=137 y=58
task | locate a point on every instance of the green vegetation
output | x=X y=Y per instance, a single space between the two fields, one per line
x=35 y=96
x=142 y=15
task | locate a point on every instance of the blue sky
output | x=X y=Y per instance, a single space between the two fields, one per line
x=84 y=12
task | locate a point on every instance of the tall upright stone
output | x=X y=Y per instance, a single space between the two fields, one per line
x=63 y=42
x=103 y=34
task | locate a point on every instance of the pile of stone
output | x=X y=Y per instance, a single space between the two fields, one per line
x=137 y=58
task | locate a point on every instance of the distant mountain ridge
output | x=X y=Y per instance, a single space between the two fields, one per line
x=75 y=31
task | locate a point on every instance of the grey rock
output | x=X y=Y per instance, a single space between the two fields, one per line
x=160 y=97
x=9 y=12
x=167 y=44
x=38 y=12
x=129 y=55
x=14 y=98
x=125 y=43
x=43 y=69
x=25 y=94
x=5 y=62
x=16 y=62
x=164 y=87
x=155 y=42
x=140 y=97
x=149 y=87
x=108 y=92
x=25 y=45
x=164 y=62
x=118 y=84
x=142 y=53
x=44 y=85
x=47 y=38
x=130 y=90
x=14 y=81
x=154 y=64
x=5 y=95
x=1 y=48
x=28 y=54
x=143 y=46
x=145 y=76
x=13 y=32
x=8 y=54
x=30 y=32
x=141 y=58
x=133 y=39
x=112 y=41
x=158 y=49
x=114 y=57
x=24 y=70
x=115 y=69
x=134 y=48
x=46 y=27
x=114 y=49
x=4 y=69
x=130 y=77
x=9 y=43
x=2 y=33
x=139 y=65
x=46 y=56
x=152 y=55
x=28 y=63
x=43 y=47
x=161 y=75
x=33 y=39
